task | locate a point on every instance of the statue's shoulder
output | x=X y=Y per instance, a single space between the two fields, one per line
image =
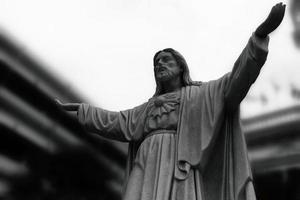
x=223 y=80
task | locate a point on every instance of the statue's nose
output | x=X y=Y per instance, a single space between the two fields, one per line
x=160 y=65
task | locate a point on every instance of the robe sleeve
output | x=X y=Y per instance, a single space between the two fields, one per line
x=123 y=126
x=245 y=71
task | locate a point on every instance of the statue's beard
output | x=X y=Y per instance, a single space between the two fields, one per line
x=165 y=75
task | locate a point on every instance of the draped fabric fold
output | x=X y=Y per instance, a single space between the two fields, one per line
x=229 y=165
x=210 y=139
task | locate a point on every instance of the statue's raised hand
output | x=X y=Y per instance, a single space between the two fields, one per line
x=68 y=106
x=272 y=22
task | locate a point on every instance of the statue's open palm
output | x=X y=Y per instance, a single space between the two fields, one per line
x=68 y=106
x=272 y=22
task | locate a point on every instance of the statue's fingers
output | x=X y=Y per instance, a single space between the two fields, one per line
x=67 y=106
x=283 y=9
x=277 y=8
x=278 y=13
x=278 y=4
x=281 y=12
x=58 y=102
x=279 y=18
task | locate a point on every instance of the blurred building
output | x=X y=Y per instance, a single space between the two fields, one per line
x=295 y=14
x=274 y=149
x=45 y=154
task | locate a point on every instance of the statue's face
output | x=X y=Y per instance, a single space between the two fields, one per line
x=166 y=67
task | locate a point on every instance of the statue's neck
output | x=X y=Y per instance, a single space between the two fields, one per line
x=172 y=85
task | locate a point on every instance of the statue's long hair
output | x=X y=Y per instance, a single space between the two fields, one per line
x=186 y=79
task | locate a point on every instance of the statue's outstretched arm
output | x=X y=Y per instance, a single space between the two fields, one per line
x=247 y=67
x=120 y=126
x=96 y=120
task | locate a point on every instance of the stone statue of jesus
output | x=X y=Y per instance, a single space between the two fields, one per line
x=186 y=142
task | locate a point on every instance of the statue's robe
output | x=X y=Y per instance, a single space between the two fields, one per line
x=209 y=140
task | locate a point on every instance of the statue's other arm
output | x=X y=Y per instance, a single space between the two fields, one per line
x=119 y=126
x=105 y=123
x=248 y=65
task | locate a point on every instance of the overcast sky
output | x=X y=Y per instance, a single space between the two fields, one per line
x=104 y=49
